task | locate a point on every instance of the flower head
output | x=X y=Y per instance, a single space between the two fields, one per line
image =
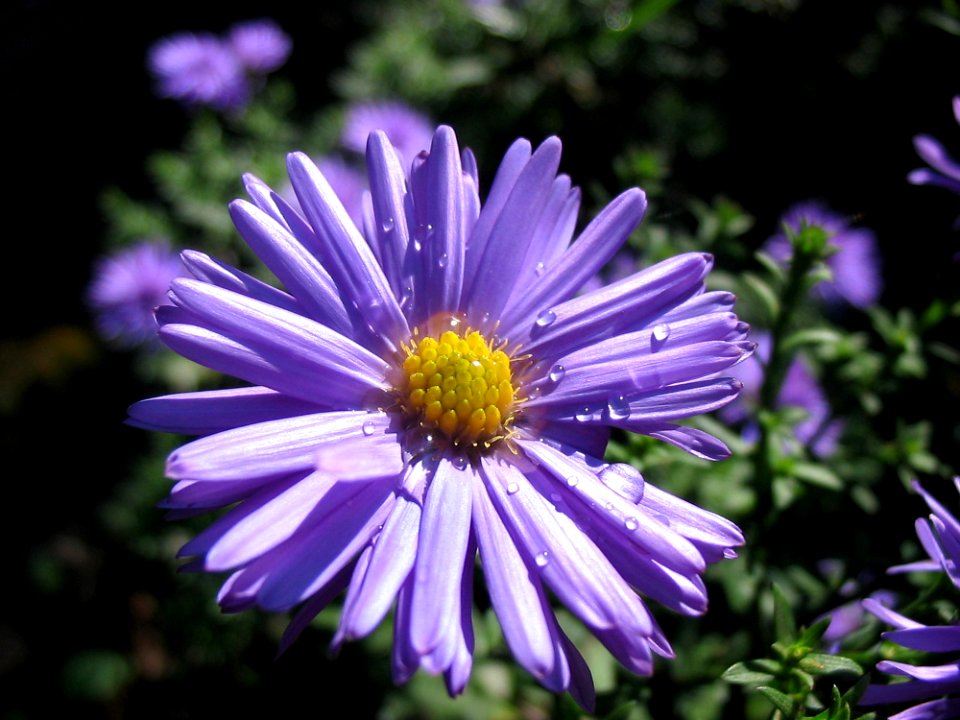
x=128 y=286
x=436 y=391
x=260 y=45
x=408 y=130
x=199 y=70
x=855 y=263
x=940 y=537
x=800 y=389
x=944 y=171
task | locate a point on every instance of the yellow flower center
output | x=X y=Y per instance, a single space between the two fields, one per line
x=460 y=385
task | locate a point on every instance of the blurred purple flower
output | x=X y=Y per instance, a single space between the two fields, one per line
x=422 y=396
x=855 y=264
x=260 y=45
x=944 y=171
x=128 y=286
x=348 y=183
x=940 y=537
x=199 y=70
x=800 y=389
x=408 y=130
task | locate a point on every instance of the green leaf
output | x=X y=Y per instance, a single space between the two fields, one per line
x=785 y=626
x=817 y=475
x=753 y=672
x=784 y=703
x=763 y=293
x=811 y=635
x=824 y=663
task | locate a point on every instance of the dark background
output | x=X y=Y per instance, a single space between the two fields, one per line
x=79 y=114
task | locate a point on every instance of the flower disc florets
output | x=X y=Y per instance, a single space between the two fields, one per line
x=460 y=384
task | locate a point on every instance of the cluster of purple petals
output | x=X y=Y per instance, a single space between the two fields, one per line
x=128 y=286
x=332 y=490
x=202 y=69
x=943 y=170
x=854 y=264
x=938 y=686
x=818 y=431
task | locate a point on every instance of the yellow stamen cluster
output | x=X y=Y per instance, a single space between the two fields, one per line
x=459 y=385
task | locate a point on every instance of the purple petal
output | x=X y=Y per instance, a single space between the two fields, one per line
x=938 y=638
x=444 y=533
x=388 y=193
x=203 y=267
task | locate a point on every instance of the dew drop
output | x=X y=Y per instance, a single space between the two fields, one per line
x=556 y=373
x=609 y=506
x=623 y=479
x=542 y=559
x=459 y=462
x=388 y=224
x=512 y=488
x=572 y=481
x=442 y=261
x=618 y=407
x=555 y=497
x=540 y=267
x=368 y=428
x=730 y=553
x=584 y=414
x=546 y=318
x=631 y=523
x=661 y=332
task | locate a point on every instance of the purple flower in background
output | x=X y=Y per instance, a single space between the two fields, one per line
x=204 y=70
x=421 y=396
x=944 y=171
x=940 y=537
x=408 y=130
x=260 y=45
x=800 y=389
x=128 y=286
x=855 y=264
x=199 y=70
x=347 y=183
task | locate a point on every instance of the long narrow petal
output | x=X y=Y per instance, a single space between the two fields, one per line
x=345 y=254
x=204 y=267
x=939 y=638
x=388 y=193
x=595 y=246
x=211 y=411
x=444 y=534
x=270 y=448
x=295 y=266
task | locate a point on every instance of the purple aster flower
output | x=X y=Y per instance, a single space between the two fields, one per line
x=421 y=397
x=409 y=131
x=855 y=264
x=199 y=70
x=944 y=171
x=940 y=537
x=260 y=45
x=800 y=389
x=128 y=286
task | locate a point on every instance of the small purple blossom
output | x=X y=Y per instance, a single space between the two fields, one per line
x=408 y=130
x=855 y=264
x=128 y=286
x=944 y=171
x=260 y=45
x=800 y=389
x=420 y=398
x=199 y=70
x=940 y=537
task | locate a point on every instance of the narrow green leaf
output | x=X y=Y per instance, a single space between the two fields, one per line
x=753 y=672
x=764 y=294
x=785 y=626
x=784 y=703
x=817 y=475
x=811 y=635
x=824 y=663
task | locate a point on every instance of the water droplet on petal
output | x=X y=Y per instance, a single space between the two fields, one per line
x=555 y=497
x=540 y=267
x=618 y=407
x=546 y=318
x=730 y=553
x=584 y=414
x=659 y=335
x=388 y=224
x=542 y=559
x=459 y=462
x=442 y=261
x=623 y=479
x=631 y=523
x=572 y=481
x=556 y=373
x=512 y=488
x=368 y=427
